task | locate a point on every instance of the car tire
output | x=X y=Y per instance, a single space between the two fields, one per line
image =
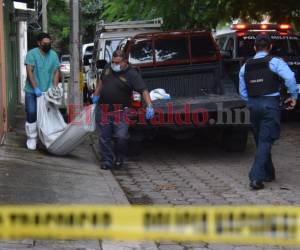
x=234 y=139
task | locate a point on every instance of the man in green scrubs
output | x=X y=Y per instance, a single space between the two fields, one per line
x=42 y=66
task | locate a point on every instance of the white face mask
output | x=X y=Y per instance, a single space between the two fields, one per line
x=116 y=67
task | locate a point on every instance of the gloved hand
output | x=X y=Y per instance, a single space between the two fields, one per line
x=95 y=99
x=149 y=112
x=37 y=91
x=167 y=97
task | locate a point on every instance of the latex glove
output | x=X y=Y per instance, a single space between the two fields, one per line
x=37 y=91
x=95 y=99
x=167 y=97
x=149 y=112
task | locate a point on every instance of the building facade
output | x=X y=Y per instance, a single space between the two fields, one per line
x=11 y=62
x=3 y=103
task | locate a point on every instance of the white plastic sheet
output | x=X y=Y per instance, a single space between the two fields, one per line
x=58 y=137
x=159 y=94
x=55 y=95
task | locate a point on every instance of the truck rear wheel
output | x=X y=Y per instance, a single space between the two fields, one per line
x=234 y=139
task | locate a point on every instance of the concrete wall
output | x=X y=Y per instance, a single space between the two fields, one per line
x=22 y=44
x=13 y=48
x=22 y=51
x=11 y=57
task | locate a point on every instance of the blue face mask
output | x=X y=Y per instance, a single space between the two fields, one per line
x=115 y=67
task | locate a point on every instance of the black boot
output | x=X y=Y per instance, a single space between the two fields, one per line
x=256 y=185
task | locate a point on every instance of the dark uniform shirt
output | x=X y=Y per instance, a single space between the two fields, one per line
x=117 y=87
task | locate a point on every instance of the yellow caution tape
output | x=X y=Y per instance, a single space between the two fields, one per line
x=220 y=224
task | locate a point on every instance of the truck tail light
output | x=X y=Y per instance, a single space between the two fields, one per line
x=136 y=100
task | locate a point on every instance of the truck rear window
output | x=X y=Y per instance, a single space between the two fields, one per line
x=171 y=49
x=141 y=52
x=65 y=58
x=110 y=47
x=202 y=46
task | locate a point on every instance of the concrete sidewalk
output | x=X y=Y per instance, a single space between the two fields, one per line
x=36 y=177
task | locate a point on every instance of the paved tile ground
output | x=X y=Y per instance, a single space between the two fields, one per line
x=197 y=172
x=168 y=172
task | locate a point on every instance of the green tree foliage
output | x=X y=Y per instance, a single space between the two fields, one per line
x=176 y=13
x=279 y=11
x=91 y=11
x=59 y=24
x=202 y=13
x=59 y=21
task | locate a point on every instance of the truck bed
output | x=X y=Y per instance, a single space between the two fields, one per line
x=200 y=86
x=196 y=91
x=185 y=80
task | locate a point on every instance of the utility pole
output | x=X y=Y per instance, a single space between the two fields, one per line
x=44 y=15
x=75 y=93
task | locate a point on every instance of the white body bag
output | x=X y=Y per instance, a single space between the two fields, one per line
x=59 y=137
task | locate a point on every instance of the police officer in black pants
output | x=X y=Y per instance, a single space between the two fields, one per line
x=260 y=81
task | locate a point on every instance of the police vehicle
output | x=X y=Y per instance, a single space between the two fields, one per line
x=237 y=45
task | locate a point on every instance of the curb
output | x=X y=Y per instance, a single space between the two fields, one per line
x=120 y=198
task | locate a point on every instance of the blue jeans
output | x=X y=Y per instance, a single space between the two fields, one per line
x=113 y=135
x=265 y=118
x=30 y=107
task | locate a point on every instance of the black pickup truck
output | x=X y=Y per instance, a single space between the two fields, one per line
x=187 y=65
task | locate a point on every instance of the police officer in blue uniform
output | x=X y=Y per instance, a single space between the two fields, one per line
x=260 y=81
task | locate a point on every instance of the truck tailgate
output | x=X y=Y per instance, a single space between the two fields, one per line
x=210 y=103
